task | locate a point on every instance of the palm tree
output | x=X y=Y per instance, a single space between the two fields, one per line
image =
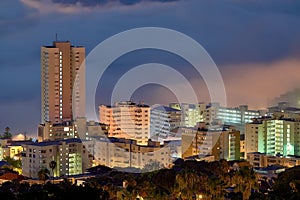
x=43 y=174
x=52 y=166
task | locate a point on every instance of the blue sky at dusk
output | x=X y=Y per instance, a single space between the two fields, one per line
x=255 y=44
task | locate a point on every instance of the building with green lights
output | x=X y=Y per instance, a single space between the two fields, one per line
x=273 y=136
x=191 y=114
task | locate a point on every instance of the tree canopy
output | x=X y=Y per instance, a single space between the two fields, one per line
x=185 y=180
x=6 y=134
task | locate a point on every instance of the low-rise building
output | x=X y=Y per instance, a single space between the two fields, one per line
x=257 y=159
x=12 y=149
x=70 y=155
x=125 y=153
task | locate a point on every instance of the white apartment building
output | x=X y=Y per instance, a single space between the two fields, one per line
x=191 y=114
x=70 y=155
x=163 y=120
x=236 y=116
x=124 y=153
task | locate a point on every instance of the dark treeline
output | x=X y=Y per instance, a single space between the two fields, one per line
x=185 y=180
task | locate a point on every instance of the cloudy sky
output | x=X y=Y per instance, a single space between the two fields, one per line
x=255 y=44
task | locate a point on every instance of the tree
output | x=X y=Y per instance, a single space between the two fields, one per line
x=287 y=184
x=155 y=165
x=14 y=163
x=52 y=166
x=7 y=134
x=188 y=184
x=43 y=174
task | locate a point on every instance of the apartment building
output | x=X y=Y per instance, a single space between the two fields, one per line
x=163 y=120
x=221 y=142
x=236 y=116
x=80 y=128
x=62 y=82
x=124 y=153
x=70 y=155
x=273 y=136
x=191 y=114
x=127 y=120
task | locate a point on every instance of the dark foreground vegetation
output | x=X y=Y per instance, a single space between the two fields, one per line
x=185 y=180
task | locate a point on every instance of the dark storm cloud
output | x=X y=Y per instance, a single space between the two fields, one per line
x=15 y=16
x=246 y=31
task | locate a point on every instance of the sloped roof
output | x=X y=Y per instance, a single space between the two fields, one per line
x=3 y=163
x=11 y=176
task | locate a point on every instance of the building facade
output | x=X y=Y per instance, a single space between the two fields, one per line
x=62 y=82
x=236 y=116
x=70 y=155
x=10 y=149
x=252 y=137
x=273 y=136
x=191 y=114
x=257 y=159
x=127 y=120
x=57 y=131
x=163 y=120
x=124 y=153
x=222 y=142
x=80 y=128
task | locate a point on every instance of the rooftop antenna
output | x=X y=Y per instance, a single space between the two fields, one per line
x=56 y=37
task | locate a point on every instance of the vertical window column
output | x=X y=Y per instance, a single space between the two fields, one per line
x=60 y=85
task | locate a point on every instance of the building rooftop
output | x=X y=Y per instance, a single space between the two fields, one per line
x=290 y=109
x=270 y=168
x=256 y=153
x=4 y=163
x=127 y=103
x=11 y=176
x=57 y=142
x=166 y=109
x=128 y=141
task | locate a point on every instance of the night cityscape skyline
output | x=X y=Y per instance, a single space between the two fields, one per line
x=149 y=99
x=250 y=41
